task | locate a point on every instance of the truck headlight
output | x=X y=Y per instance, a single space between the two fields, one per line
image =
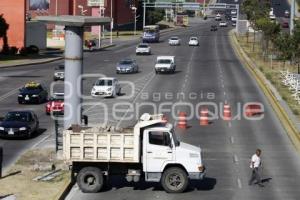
x=23 y=129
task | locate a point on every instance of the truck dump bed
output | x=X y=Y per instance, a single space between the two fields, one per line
x=100 y=145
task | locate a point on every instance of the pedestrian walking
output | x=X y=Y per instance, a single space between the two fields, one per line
x=255 y=165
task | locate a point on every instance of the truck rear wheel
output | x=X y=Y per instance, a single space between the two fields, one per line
x=174 y=180
x=90 y=180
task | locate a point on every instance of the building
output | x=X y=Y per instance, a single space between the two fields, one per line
x=15 y=13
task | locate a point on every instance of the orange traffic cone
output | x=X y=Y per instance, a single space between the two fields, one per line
x=204 y=117
x=182 y=123
x=227 y=112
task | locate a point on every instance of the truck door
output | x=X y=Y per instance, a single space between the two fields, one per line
x=159 y=150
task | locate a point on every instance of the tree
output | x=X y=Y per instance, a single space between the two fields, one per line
x=154 y=16
x=285 y=46
x=270 y=30
x=3 y=33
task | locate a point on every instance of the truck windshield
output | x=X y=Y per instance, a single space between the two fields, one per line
x=177 y=143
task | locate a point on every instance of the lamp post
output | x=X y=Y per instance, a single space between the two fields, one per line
x=292 y=15
x=112 y=20
x=100 y=15
x=134 y=10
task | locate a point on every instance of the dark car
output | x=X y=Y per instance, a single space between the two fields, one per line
x=19 y=124
x=34 y=93
x=127 y=66
x=213 y=28
x=59 y=73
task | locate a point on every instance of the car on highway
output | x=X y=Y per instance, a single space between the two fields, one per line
x=285 y=24
x=143 y=48
x=174 y=41
x=55 y=105
x=213 y=28
x=19 y=124
x=127 y=66
x=59 y=73
x=218 y=17
x=165 y=64
x=233 y=18
x=106 y=87
x=233 y=24
x=193 y=41
x=223 y=24
x=233 y=12
x=32 y=92
x=286 y=14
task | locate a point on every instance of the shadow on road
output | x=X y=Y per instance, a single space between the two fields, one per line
x=119 y=182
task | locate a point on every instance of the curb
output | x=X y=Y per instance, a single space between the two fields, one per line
x=64 y=191
x=282 y=115
x=50 y=59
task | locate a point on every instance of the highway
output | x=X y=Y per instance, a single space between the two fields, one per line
x=213 y=74
x=208 y=74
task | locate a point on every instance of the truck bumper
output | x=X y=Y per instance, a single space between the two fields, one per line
x=196 y=175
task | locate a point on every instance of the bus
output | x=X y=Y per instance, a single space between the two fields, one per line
x=151 y=33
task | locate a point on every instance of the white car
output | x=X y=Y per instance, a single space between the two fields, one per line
x=233 y=12
x=218 y=17
x=106 y=87
x=223 y=24
x=143 y=48
x=165 y=64
x=193 y=41
x=174 y=41
x=233 y=18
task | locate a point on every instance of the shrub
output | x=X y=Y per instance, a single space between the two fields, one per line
x=23 y=51
x=32 y=49
x=13 y=50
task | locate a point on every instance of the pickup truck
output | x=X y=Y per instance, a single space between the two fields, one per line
x=165 y=64
x=150 y=151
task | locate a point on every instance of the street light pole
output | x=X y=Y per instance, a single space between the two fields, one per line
x=144 y=14
x=134 y=10
x=99 y=34
x=56 y=8
x=111 y=17
x=292 y=15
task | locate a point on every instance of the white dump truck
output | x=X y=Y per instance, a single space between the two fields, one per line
x=150 y=151
x=165 y=64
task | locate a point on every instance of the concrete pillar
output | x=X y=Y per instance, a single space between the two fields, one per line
x=73 y=70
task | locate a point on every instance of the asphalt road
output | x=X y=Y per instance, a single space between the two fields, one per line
x=213 y=75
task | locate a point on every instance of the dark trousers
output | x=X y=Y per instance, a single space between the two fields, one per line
x=255 y=176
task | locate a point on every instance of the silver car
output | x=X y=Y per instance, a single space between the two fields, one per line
x=127 y=66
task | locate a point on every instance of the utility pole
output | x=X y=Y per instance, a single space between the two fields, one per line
x=292 y=16
x=144 y=14
x=99 y=34
x=112 y=20
x=134 y=10
x=56 y=8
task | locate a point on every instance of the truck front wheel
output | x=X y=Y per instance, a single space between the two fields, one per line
x=90 y=180
x=174 y=180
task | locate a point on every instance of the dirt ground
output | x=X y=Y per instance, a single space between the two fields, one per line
x=18 y=181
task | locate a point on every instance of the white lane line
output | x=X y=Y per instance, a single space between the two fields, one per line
x=235 y=159
x=41 y=141
x=223 y=86
x=14 y=91
x=239 y=183
x=231 y=139
x=229 y=124
x=224 y=93
x=135 y=99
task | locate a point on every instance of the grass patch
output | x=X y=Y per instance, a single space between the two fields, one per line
x=18 y=180
x=271 y=70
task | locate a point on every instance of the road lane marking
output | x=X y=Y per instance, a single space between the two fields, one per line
x=229 y=124
x=239 y=183
x=231 y=139
x=235 y=159
x=10 y=93
x=135 y=99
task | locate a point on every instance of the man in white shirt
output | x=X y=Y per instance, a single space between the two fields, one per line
x=255 y=164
